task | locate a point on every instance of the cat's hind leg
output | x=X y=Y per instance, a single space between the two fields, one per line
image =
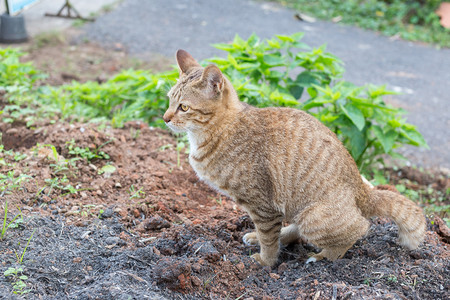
x=288 y=235
x=330 y=253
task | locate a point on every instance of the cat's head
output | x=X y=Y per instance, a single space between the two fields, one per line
x=199 y=95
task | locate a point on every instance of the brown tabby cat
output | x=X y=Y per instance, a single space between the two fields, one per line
x=280 y=164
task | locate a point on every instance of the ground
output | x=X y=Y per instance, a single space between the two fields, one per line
x=123 y=216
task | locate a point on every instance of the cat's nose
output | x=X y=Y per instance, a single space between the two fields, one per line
x=167 y=118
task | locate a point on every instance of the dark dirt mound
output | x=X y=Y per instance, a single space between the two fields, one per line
x=150 y=229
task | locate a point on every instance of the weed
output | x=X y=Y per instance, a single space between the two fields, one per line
x=87 y=153
x=9 y=183
x=392 y=279
x=139 y=194
x=20 y=259
x=107 y=170
x=47 y=39
x=14 y=223
x=18 y=280
x=411 y=20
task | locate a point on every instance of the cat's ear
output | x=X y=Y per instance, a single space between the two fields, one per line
x=185 y=61
x=213 y=80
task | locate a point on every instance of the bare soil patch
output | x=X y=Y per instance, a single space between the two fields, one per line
x=176 y=238
x=66 y=56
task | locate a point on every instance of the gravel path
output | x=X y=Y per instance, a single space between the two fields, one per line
x=420 y=72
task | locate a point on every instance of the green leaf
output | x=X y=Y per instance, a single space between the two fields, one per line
x=273 y=60
x=413 y=136
x=356 y=141
x=109 y=169
x=274 y=43
x=286 y=38
x=306 y=79
x=297 y=36
x=354 y=114
x=238 y=42
x=387 y=140
x=296 y=91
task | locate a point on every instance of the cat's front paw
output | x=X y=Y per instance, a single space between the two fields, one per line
x=258 y=258
x=251 y=239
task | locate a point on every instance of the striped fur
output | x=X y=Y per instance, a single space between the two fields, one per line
x=280 y=164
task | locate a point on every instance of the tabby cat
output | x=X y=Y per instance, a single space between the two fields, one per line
x=280 y=165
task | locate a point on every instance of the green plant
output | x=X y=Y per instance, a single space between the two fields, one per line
x=87 y=153
x=264 y=74
x=130 y=95
x=412 y=20
x=18 y=280
x=14 y=75
x=14 y=223
x=9 y=182
x=136 y=193
x=20 y=259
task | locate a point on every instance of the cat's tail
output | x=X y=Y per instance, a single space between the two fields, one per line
x=405 y=213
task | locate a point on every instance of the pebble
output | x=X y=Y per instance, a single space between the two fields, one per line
x=240 y=266
x=108 y=213
x=99 y=192
x=174 y=273
x=85 y=234
x=156 y=223
x=206 y=250
x=83 y=195
x=274 y=276
x=112 y=240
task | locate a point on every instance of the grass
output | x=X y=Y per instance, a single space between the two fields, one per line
x=11 y=224
x=413 y=20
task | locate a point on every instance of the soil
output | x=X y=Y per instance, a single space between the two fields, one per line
x=175 y=238
x=148 y=228
x=65 y=56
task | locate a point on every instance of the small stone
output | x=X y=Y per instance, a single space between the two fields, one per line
x=283 y=267
x=196 y=281
x=206 y=250
x=274 y=276
x=136 y=213
x=174 y=273
x=108 y=213
x=99 y=192
x=117 y=185
x=93 y=167
x=83 y=195
x=77 y=260
x=240 y=266
x=113 y=240
x=156 y=223
x=89 y=268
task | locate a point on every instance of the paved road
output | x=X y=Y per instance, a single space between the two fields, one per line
x=421 y=72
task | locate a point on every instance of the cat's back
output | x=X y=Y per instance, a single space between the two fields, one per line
x=301 y=154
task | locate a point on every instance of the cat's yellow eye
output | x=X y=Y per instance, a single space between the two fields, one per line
x=184 y=107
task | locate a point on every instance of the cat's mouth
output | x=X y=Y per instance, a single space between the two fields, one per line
x=175 y=128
